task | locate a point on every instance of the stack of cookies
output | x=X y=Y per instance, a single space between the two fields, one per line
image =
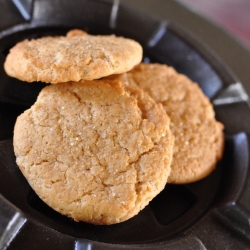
x=98 y=144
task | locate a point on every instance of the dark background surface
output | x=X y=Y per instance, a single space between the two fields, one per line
x=228 y=48
x=226 y=223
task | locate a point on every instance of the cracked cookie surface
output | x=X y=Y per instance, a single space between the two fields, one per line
x=199 y=139
x=94 y=150
x=72 y=58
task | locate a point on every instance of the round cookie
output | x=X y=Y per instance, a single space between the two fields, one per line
x=199 y=139
x=94 y=151
x=72 y=58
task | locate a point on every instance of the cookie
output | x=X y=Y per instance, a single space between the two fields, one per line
x=199 y=138
x=72 y=58
x=94 y=150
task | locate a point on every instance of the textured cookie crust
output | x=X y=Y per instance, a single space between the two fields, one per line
x=72 y=58
x=94 y=151
x=199 y=138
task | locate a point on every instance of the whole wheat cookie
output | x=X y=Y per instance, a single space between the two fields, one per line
x=94 y=151
x=72 y=58
x=199 y=138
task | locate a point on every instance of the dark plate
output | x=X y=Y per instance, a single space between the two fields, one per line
x=209 y=214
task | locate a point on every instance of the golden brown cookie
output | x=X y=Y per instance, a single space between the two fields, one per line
x=72 y=58
x=93 y=150
x=199 y=138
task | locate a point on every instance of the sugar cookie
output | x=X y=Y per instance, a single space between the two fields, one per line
x=199 y=139
x=72 y=58
x=94 y=150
